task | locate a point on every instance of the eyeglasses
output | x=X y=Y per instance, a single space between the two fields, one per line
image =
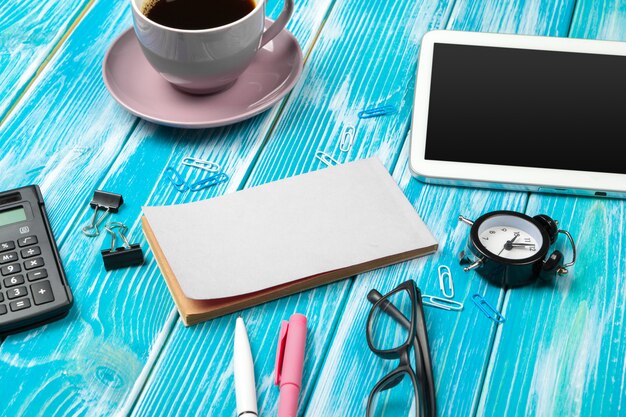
x=394 y=325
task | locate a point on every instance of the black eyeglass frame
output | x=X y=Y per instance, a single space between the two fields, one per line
x=421 y=378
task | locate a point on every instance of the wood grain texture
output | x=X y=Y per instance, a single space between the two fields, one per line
x=65 y=133
x=354 y=66
x=94 y=362
x=123 y=341
x=64 y=136
x=599 y=20
x=29 y=32
x=527 y=17
x=61 y=135
x=570 y=335
x=315 y=108
x=460 y=342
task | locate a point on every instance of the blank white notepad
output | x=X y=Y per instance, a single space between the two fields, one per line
x=347 y=218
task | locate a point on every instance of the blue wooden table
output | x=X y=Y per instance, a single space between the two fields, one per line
x=123 y=350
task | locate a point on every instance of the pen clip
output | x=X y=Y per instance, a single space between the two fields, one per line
x=280 y=351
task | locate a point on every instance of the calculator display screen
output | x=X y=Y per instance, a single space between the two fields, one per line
x=15 y=215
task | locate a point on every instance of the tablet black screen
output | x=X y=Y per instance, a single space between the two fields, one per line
x=525 y=107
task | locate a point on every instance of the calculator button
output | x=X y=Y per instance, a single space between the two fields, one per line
x=27 y=241
x=20 y=305
x=5 y=246
x=30 y=252
x=10 y=269
x=3 y=309
x=8 y=257
x=1 y=297
x=16 y=292
x=42 y=292
x=13 y=281
x=33 y=263
x=35 y=275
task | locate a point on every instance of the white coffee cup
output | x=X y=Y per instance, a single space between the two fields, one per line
x=208 y=60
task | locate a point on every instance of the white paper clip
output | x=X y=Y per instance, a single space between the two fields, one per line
x=442 y=303
x=326 y=159
x=201 y=164
x=347 y=139
x=444 y=273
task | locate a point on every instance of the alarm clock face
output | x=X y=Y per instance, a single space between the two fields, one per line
x=513 y=237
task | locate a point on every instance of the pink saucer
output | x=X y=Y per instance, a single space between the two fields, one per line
x=143 y=92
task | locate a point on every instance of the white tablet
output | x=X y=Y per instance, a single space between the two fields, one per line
x=521 y=112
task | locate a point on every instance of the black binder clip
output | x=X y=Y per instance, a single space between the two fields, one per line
x=102 y=200
x=127 y=255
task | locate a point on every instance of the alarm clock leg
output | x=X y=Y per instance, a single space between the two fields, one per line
x=473 y=266
x=466 y=220
x=465 y=260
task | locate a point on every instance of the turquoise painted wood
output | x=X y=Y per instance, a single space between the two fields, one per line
x=29 y=31
x=168 y=391
x=123 y=349
x=103 y=372
x=64 y=135
x=323 y=306
x=570 y=335
x=460 y=342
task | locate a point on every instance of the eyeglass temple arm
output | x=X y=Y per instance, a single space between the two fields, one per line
x=374 y=296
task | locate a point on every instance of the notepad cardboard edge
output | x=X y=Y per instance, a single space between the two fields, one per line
x=284 y=290
x=191 y=315
x=164 y=267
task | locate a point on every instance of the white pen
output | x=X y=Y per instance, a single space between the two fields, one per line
x=245 y=387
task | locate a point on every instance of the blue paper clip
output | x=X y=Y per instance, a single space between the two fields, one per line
x=176 y=179
x=376 y=112
x=210 y=181
x=487 y=309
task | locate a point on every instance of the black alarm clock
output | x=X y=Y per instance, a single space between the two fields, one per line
x=510 y=249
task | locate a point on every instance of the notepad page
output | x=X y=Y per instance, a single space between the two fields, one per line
x=287 y=230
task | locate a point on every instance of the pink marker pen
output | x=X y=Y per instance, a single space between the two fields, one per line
x=289 y=364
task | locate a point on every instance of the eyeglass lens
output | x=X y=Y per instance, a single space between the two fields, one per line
x=394 y=401
x=386 y=332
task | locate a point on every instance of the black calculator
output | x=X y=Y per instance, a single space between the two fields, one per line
x=33 y=286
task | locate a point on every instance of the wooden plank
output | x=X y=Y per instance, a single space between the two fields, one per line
x=61 y=135
x=569 y=335
x=66 y=131
x=460 y=342
x=194 y=369
x=596 y=20
x=95 y=359
x=528 y=17
x=28 y=35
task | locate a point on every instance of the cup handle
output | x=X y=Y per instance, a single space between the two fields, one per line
x=279 y=24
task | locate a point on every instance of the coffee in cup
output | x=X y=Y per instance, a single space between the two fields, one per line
x=196 y=14
x=201 y=46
